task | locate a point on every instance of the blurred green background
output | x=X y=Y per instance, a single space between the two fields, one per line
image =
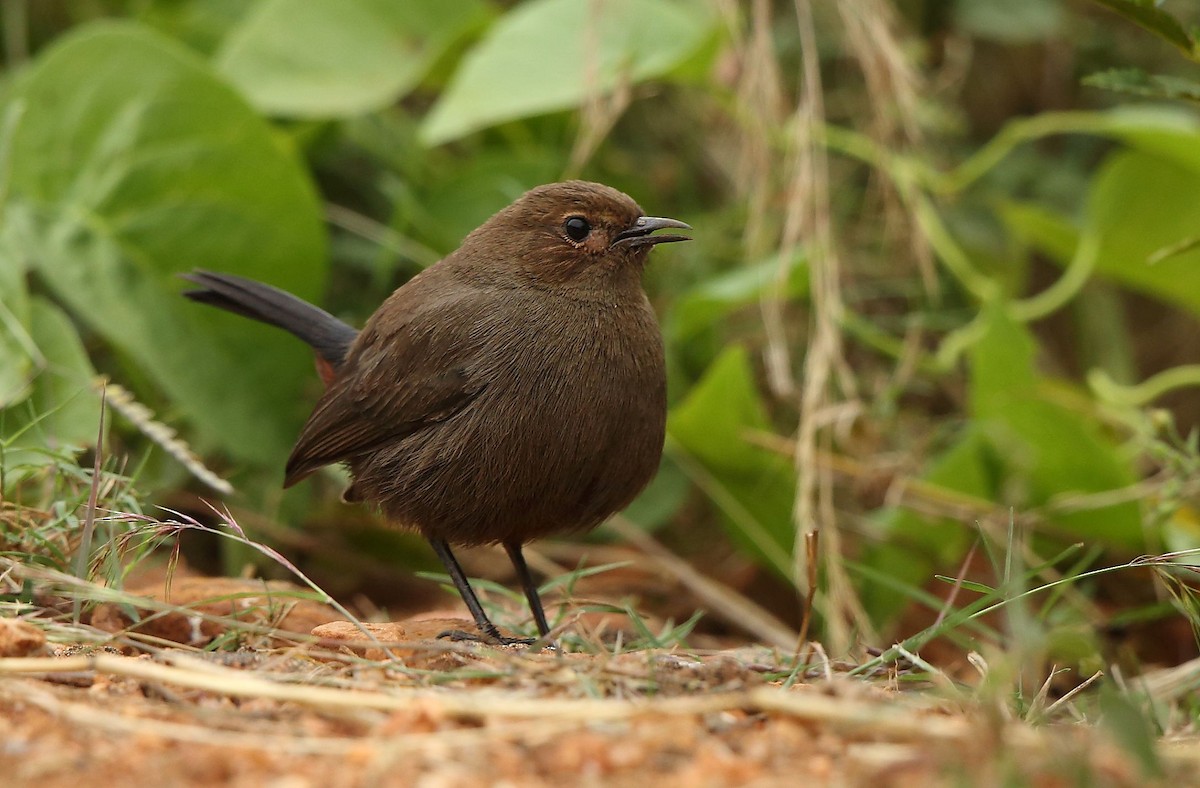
x=945 y=286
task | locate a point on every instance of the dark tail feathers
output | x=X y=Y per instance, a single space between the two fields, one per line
x=328 y=336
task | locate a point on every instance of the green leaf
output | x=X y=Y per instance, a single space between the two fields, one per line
x=1045 y=450
x=332 y=58
x=132 y=162
x=201 y=24
x=1166 y=131
x=1149 y=16
x=713 y=421
x=1139 y=205
x=548 y=55
x=1010 y=21
x=662 y=498
x=62 y=409
x=1041 y=227
x=1132 y=728
x=1001 y=366
x=967 y=585
x=753 y=487
x=63 y=390
x=716 y=297
x=1139 y=83
x=1146 y=242
x=918 y=545
x=16 y=345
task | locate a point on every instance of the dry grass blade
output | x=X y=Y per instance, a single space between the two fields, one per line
x=893 y=719
x=1170 y=684
x=91 y=716
x=809 y=215
x=1072 y=693
x=885 y=717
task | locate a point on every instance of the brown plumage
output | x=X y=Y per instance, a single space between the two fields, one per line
x=516 y=388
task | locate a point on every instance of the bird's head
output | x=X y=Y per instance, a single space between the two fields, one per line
x=573 y=232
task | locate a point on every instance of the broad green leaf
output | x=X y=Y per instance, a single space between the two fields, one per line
x=1166 y=130
x=716 y=297
x=63 y=389
x=1139 y=83
x=465 y=197
x=330 y=58
x=1147 y=242
x=201 y=24
x=1149 y=16
x=1046 y=451
x=1022 y=449
x=548 y=55
x=1139 y=205
x=1041 y=227
x=16 y=345
x=1133 y=727
x=62 y=409
x=132 y=162
x=17 y=351
x=1169 y=132
x=753 y=487
x=917 y=545
x=1010 y=21
x=1001 y=366
x=662 y=498
x=714 y=419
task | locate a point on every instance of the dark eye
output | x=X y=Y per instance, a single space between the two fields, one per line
x=577 y=228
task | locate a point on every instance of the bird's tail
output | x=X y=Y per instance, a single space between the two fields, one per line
x=328 y=336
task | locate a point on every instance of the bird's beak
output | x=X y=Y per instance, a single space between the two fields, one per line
x=639 y=233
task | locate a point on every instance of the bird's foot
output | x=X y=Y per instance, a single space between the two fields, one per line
x=488 y=639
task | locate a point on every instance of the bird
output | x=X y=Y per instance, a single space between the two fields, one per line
x=514 y=389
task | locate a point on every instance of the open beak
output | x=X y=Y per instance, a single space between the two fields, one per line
x=639 y=233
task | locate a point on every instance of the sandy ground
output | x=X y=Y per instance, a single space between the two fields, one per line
x=413 y=710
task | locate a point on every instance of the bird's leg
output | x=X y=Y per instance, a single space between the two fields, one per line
x=490 y=634
x=528 y=586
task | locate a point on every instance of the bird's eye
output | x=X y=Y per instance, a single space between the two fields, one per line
x=577 y=228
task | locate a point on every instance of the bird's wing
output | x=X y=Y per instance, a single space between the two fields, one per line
x=403 y=374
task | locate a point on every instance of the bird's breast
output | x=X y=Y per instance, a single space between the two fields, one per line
x=567 y=428
x=571 y=425
x=593 y=375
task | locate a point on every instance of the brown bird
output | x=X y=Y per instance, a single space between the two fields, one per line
x=515 y=388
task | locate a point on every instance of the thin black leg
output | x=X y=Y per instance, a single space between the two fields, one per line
x=490 y=633
x=528 y=586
